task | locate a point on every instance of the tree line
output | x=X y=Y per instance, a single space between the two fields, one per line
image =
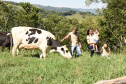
x=111 y=22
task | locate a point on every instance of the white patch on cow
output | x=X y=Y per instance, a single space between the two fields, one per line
x=8 y=34
x=53 y=50
x=65 y=52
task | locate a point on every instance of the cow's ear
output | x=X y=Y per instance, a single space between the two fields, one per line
x=65 y=46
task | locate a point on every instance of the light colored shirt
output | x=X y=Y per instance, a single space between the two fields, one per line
x=105 y=51
x=90 y=38
x=96 y=36
x=74 y=38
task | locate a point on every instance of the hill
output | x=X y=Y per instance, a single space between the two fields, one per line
x=63 y=9
x=59 y=9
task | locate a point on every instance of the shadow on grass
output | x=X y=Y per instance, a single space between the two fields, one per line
x=32 y=55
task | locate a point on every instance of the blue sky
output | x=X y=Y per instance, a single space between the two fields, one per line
x=63 y=3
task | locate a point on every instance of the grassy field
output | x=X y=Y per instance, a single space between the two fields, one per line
x=55 y=69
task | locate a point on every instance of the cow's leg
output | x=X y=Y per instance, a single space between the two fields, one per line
x=41 y=55
x=9 y=48
x=3 y=47
x=44 y=52
x=15 y=49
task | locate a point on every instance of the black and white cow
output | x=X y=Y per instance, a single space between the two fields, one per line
x=5 y=40
x=35 y=38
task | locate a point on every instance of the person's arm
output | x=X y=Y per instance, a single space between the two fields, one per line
x=88 y=41
x=101 y=50
x=79 y=41
x=98 y=34
x=65 y=38
x=109 y=52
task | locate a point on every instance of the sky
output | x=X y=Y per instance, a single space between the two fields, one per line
x=63 y=3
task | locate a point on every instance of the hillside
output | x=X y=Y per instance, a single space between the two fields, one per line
x=60 y=9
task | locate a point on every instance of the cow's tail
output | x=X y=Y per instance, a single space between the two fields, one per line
x=11 y=42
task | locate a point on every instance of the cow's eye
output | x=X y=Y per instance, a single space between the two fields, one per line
x=67 y=51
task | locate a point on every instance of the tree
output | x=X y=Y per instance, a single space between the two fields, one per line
x=28 y=16
x=115 y=20
x=6 y=16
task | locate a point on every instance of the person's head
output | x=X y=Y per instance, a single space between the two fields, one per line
x=96 y=30
x=89 y=32
x=74 y=30
x=105 y=46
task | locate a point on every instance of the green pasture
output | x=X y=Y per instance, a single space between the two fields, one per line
x=27 y=68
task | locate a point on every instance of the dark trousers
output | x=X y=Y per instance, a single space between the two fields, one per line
x=92 y=51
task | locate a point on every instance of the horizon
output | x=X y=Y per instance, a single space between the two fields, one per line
x=63 y=3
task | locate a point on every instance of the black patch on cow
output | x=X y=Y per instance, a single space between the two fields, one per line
x=26 y=39
x=31 y=40
x=47 y=38
x=55 y=43
x=33 y=31
x=55 y=48
x=26 y=32
x=36 y=40
x=62 y=49
x=49 y=42
x=66 y=51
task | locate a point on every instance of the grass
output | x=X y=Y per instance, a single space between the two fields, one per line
x=55 y=69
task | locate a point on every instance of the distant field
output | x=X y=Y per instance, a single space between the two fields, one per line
x=76 y=16
x=55 y=69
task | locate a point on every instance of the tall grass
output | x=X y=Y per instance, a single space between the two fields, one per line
x=55 y=69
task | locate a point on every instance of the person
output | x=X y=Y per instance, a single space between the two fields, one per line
x=75 y=41
x=106 y=51
x=96 y=39
x=91 y=42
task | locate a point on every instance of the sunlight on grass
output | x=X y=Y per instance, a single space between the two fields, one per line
x=28 y=68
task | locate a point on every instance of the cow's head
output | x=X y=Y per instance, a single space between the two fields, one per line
x=62 y=50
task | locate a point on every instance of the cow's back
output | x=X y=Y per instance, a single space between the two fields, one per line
x=31 y=36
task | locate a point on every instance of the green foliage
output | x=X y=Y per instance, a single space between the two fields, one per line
x=115 y=21
x=29 y=16
x=111 y=23
x=6 y=16
x=28 y=68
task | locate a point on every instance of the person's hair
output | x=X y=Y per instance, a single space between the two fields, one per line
x=75 y=28
x=96 y=29
x=88 y=31
x=106 y=45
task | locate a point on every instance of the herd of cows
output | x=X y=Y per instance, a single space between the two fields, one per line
x=32 y=38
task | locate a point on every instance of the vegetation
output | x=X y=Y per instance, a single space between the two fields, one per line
x=28 y=68
x=110 y=22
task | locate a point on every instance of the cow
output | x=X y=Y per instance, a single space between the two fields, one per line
x=5 y=40
x=35 y=38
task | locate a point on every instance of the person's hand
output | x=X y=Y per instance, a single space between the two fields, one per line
x=80 y=45
x=62 y=40
x=95 y=42
x=108 y=54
